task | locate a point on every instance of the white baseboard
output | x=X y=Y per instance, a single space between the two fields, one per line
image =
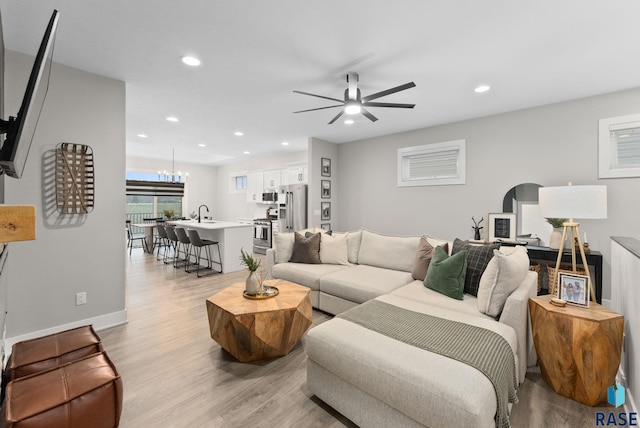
x=99 y=323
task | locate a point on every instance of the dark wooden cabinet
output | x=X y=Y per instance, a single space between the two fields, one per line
x=549 y=256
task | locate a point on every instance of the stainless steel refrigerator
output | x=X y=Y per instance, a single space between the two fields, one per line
x=292 y=212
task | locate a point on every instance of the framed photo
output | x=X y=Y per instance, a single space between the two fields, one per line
x=325 y=226
x=574 y=289
x=325 y=210
x=502 y=227
x=326 y=189
x=325 y=165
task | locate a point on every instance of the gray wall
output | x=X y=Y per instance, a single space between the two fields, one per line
x=71 y=253
x=548 y=145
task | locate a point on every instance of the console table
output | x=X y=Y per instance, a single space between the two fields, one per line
x=594 y=258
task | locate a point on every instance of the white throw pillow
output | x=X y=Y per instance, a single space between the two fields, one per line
x=504 y=273
x=353 y=245
x=333 y=249
x=283 y=244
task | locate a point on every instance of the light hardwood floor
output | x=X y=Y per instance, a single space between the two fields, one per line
x=175 y=375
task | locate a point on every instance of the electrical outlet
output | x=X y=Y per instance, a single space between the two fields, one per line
x=81 y=298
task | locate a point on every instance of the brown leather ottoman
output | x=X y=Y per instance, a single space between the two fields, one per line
x=85 y=393
x=48 y=352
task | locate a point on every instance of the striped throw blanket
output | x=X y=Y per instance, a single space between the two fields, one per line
x=483 y=349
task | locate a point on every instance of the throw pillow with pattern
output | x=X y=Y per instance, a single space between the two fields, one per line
x=478 y=257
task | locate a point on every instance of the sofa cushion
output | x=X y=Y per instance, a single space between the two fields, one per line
x=283 y=244
x=333 y=249
x=416 y=292
x=353 y=245
x=390 y=252
x=504 y=273
x=446 y=273
x=306 y=250
x=477 y=259
x=423 y=258
x=304 y=274
x=361 y=283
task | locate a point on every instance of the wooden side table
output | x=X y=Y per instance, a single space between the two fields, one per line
x=578 y=348
x=253 y=330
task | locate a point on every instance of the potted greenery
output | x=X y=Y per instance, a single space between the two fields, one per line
x=556 y=236
x=168 y=214
x=252 y=284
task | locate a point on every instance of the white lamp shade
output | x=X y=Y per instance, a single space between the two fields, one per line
x=574 y=202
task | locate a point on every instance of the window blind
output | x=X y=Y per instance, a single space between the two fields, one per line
x=154 y=188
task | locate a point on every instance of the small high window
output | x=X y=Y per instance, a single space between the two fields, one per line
x=432 y=164
x=619 y=147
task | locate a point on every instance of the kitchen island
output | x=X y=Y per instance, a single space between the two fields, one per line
x=231 y=237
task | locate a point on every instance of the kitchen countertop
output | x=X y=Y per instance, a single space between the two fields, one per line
x=208 y=224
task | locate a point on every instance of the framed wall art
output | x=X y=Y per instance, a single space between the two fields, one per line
x=325 y=165
x=325 y=211
x=502 y=227
x=326 y=189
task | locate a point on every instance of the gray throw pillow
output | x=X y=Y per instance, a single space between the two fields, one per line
x=306 y=250
x=478 y=256
x=423 y=258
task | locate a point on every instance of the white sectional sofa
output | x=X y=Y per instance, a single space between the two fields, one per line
x=376 y=380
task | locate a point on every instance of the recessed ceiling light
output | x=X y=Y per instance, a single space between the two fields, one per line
x=190 y=60
x=202 y=145
x=142 y=135
x=172 y=119
x=349 y=121
x=238 y=134
x=285 y=143
x=246 y=152
x=482 y=88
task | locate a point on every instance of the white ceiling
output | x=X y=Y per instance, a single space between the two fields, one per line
x=254 y=53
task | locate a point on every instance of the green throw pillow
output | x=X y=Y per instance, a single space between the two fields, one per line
x=446 y=274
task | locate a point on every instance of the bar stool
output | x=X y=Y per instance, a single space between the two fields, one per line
x=173 y=242
x=161 y=240
x=184 y=245
x=132 y=237
x=196 y=244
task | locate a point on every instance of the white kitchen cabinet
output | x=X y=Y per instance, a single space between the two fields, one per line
x=272 y=179
x=297 y=174
x=255 y=186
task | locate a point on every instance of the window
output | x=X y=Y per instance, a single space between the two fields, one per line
x=432 y=164
x=619 y=147
x=238 y=182
x=148 y=196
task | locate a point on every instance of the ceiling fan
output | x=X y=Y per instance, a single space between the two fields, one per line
x=353 y=102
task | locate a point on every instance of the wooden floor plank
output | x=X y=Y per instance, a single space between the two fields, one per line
x=175 y=375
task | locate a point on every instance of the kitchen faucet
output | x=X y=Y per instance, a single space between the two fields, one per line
x=199 y=217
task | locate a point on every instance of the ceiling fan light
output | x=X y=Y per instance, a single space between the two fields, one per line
x=352 y=108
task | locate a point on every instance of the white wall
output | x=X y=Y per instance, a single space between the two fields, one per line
x=548 y=145
x=319 y=149
x=232 y=206
x=71 y=253
x=200 y=187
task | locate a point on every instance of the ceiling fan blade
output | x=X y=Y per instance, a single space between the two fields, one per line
x=396 y=105
x=318 y=96
x=388 y=92
x=337 y=117
x=369 y=116
x=319 y=108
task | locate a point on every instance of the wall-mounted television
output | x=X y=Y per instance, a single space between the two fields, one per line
x=20 y=129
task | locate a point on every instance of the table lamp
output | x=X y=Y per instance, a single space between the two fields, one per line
x=573 y=202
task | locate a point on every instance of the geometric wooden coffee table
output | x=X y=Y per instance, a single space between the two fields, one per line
x=253 y=330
